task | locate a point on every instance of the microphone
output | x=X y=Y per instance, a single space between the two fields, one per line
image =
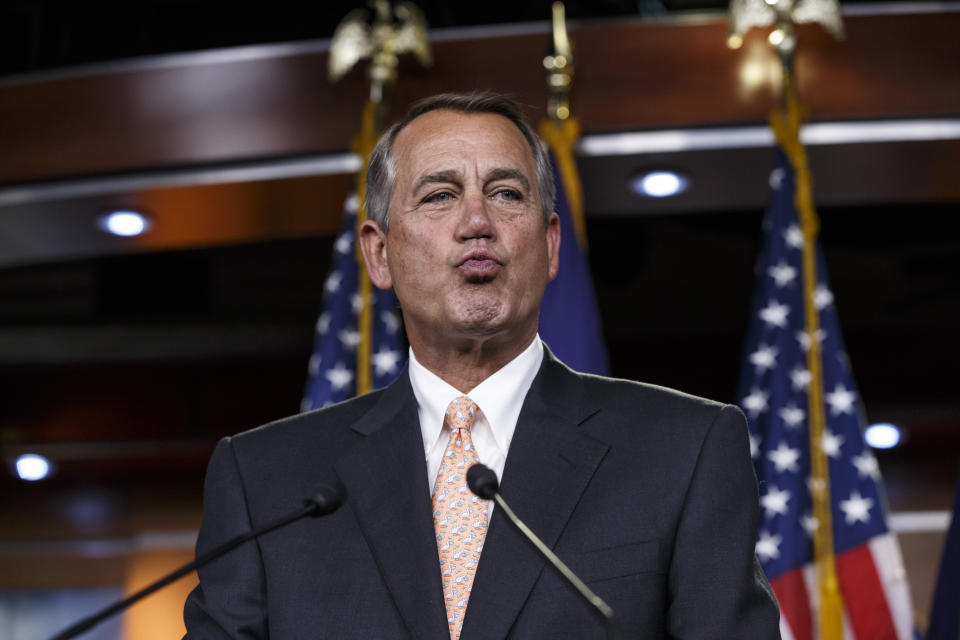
x=483 y=482
x=325 y=501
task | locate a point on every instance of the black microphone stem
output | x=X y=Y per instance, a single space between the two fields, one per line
x=87 y=623
x=612 y=631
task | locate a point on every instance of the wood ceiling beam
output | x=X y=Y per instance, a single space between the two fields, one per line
x=630 y=76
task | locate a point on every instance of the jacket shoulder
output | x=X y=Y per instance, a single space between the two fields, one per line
x=311 y=440
x=341 y=414
x=651 y=397
x=657 y=415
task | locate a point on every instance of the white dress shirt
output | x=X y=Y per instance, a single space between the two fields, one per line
x=499 y=398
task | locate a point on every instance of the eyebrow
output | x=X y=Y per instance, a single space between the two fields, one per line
x=508 y=174
x=452 y=177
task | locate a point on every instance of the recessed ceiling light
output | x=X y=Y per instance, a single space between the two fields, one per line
x=32 y=467
x=660 y=184
x=125 y=223
x=882 y=435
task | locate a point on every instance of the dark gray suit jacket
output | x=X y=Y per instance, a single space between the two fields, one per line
x=648 y=494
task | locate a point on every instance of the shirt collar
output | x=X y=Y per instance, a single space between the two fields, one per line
x=499 y=397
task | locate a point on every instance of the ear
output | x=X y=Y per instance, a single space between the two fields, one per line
x=553 y=245
x=373 y=245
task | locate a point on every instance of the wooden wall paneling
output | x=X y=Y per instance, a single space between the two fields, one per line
x=183 y=115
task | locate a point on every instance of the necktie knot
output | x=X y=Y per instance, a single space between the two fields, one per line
x=461 y=413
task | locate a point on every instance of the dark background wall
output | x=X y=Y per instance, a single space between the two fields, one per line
x=125 y=360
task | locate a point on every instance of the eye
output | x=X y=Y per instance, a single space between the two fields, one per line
x=508 y=195
x=439 y=197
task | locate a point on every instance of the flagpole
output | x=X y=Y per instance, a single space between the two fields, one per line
x=569 y=316
x=560 y=130
x=394 y=31
x=786 y=122
x=363 y=146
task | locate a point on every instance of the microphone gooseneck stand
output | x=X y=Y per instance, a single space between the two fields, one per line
x=325 y=501
x=483 y=482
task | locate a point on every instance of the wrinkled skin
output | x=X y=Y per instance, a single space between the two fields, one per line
x=468 y=252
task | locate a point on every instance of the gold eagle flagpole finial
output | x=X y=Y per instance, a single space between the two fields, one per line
x=785 y=14
x=383 y=39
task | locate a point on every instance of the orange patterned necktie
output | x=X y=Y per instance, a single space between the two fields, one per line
x=459 y=517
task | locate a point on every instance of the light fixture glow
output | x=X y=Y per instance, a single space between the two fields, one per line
x=882 y=435
x=660 y=184
x=124 y=223
x=776 y=37
x=32 y=467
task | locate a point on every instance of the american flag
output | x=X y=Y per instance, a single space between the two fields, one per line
x=773 y=393
x=945 y=612
x=332 y=371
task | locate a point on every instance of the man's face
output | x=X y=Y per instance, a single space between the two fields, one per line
x=467 y=253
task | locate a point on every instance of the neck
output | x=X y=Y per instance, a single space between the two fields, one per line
x=467 y=364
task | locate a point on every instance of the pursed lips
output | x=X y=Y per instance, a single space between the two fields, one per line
x=479 y=263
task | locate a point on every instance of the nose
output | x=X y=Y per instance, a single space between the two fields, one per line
x=476 y=220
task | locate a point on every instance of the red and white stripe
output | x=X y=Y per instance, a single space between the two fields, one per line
x=876 y=597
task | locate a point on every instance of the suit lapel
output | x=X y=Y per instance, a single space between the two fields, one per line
x=385 y=476
x=550 y=463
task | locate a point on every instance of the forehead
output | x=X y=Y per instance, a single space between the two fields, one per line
x=447 y=139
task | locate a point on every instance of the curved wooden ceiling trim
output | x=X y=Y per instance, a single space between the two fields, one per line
x=630 y=76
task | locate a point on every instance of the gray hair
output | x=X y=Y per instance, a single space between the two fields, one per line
x=382 y=173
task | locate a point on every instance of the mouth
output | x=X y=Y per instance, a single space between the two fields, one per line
x=479 y=265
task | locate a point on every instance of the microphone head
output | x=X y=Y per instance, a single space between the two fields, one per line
x=327 y=499
x=482 y=481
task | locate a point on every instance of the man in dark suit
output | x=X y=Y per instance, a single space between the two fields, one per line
x=648 y=494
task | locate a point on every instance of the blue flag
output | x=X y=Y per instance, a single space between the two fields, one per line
x=945 y=613
x=569 y=318
x=332 y=372
x=773 y=393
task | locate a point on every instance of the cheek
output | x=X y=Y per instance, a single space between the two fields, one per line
x=412 y=260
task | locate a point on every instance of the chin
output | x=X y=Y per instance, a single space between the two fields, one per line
x=480 y=327
x=479 y=312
